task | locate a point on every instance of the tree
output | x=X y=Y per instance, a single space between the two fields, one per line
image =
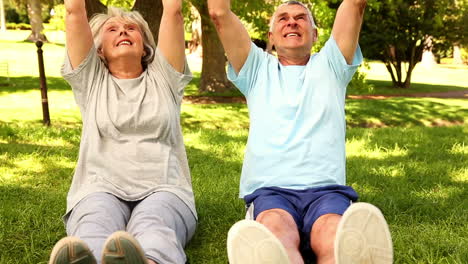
x=34 y=11
x=396 y=32
x=213 y=78
x=35 y=18
x=213 y=74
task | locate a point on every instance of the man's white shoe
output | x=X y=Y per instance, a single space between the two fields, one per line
x=250 y=242
x=363 y=237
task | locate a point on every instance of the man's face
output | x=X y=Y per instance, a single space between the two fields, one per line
x=292 y=30
x=121 y=38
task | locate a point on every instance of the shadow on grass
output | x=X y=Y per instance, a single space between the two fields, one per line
x=192 y=89
x=215 y=116
x=215 y=178
x=27 y=83
x=386 y=88
x=410 y=188
x=30 y=222
x=421 y=186
x=403 y=112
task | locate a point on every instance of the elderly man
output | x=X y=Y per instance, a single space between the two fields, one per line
x=293 y=176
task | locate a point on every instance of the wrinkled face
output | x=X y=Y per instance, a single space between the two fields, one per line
x=292 y=29
x=121 y=38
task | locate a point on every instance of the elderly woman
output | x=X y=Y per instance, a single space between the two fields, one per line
x=131 y=198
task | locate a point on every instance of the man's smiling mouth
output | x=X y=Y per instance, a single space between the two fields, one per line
x=292 y=35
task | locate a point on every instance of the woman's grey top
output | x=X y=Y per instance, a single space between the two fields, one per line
x=131 y=142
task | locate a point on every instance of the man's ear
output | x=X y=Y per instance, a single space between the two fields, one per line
x=270 y=38
x=315 y=38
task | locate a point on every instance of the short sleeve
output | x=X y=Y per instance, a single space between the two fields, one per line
x=84 y=76
x=174 y=79
x=343 y=71
x=247 y=76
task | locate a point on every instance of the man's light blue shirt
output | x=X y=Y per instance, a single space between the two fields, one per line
x=297 y=119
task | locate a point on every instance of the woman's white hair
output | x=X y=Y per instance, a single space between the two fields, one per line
x=98 y=20
x=309 y=14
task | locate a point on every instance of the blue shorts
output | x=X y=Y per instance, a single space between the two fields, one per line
x=305 y=206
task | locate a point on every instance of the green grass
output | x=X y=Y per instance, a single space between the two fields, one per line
x=416 y=174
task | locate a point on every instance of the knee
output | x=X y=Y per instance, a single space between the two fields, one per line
x=322 y=236
x=280 y=223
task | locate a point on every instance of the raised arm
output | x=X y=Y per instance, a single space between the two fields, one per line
x=233 y=35
x=347 y=26
x=78 y=33
x=171 y=40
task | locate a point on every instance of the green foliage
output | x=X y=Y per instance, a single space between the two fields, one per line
x=11 y=15
x=396 y=31
x=19 y=26
x=464 y=55
x=58 y=19
x=125 y=4
x=359 y=83
x=14 y=15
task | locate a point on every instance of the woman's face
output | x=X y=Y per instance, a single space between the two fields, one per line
x=121 y=38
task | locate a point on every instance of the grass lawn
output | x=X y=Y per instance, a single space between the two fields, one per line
x=405 y=155
x=416 y=174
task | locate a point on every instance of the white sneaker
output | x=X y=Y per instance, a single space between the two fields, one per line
x=363 y=237
x=250 y=242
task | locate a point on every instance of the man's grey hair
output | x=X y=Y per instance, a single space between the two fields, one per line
x=97 y=22
x=309 y=14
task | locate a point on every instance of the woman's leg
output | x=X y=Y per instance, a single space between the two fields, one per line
x=163 y=225
x=95 y=218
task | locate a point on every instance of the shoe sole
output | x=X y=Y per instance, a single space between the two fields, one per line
x=71 y=250
x=363 y=237
x=121 y=248
x=250 y=242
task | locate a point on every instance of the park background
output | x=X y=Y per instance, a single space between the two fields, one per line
x=406 y=137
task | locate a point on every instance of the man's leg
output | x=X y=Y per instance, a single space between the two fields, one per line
x=323 y=234
x=283 y=226
x=162 y=224
x=95 y=218
x=275 y=229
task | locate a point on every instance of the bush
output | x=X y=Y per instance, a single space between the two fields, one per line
x=11 y=16
x=358 y=84
x=18 y=26
x=464 y=54
x=57 y=20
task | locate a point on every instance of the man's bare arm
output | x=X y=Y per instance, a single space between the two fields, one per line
x=347 y=26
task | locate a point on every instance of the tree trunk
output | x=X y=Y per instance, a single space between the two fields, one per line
x=152 y=12
x=213 y=78
x=35 y=18
x=2 y=17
